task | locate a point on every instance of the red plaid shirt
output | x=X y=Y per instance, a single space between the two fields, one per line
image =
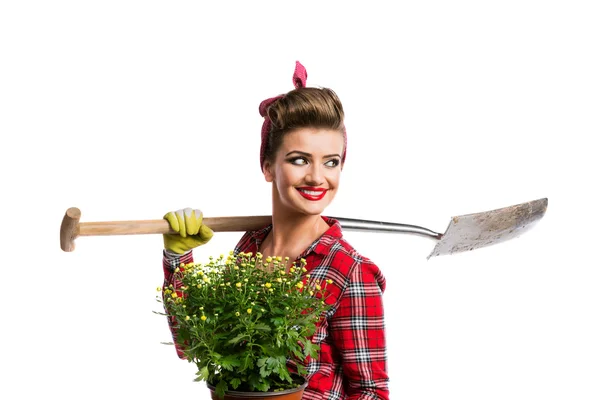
x=352 y=361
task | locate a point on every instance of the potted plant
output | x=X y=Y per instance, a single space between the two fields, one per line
x=246 y=322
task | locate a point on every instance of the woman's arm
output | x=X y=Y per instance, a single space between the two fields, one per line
x=358 y=331
x=170 y=262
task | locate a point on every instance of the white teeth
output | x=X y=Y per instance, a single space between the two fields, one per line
x=310 y=192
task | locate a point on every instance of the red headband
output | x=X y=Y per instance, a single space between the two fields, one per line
x=299 y=80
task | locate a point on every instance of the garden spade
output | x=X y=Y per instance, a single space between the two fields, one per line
x=464 y=232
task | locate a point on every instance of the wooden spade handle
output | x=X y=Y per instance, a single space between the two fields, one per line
x=71 y=228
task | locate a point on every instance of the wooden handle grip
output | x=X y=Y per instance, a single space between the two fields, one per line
x=71 y=228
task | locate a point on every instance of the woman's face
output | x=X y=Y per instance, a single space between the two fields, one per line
x=306 y=170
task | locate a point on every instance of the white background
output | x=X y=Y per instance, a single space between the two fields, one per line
x=130 y=109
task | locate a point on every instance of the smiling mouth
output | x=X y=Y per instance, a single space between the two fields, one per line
x=312 y=194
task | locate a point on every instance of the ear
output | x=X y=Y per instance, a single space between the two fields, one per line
x=268 y=171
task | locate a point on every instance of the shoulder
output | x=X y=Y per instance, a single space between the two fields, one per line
x=347 y=267
x=250 y=241
x=244 y=243
x=365 y=270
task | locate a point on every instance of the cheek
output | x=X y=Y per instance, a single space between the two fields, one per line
x=286 y=176
x=334 y=178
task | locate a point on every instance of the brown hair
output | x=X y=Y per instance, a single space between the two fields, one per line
x=305 y=107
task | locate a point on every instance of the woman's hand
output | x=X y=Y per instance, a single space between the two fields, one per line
x=190 y=230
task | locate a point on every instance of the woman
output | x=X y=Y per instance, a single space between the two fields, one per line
x=302 y=153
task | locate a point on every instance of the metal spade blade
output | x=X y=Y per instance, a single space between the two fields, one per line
x=465 y=232
x=473 y=231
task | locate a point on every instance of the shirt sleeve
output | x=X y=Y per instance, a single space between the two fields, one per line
x=170 y=262
x=358 y=332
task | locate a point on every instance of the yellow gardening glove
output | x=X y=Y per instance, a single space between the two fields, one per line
x=191 y=232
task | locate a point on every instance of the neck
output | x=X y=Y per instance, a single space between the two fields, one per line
x=292 y=233
x=288 y=229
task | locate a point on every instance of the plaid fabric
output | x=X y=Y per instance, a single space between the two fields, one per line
x=352 y=363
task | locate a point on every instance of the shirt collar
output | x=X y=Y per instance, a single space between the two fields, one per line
x=320 y=246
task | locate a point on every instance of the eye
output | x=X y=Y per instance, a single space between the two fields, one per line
x=333 y=163
x=298 y=161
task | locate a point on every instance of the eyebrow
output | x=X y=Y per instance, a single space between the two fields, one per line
x=310 y=155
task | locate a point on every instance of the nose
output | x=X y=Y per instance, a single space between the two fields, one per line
x=315 y=175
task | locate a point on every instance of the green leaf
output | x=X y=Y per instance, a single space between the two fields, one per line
x=235 y=383
x=248 y=362
x=264 y=372
x=298 y=353
x=237 y=339
x=230 y=361
x=301 y=369
x=262 y=327
x=202 y=375
x=309 y=348
x=263 y=386
x=261 y=361
x=221 y=388
x=273 y=363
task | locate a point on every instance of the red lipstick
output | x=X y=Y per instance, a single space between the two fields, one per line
x=312 y=193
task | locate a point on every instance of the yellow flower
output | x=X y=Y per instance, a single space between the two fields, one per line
x=292 y=269
x=279 y=280
x=271 y=290
x=158 y=289
x=201 y=308
x=249 y=311
x=303 y=269
x=245 y=279
x=299 y=285
x=329 y=281
x=239 y=284
x=237 y=314
x=278 y=259
x=228 y=284
x=282 y=272
x=236 y=267
x=199 y=286
x=187 y=317
x=203 y=318
x=269 y=259
x=318 y=287
x=177 y=269
x=268 y=285
x=173 y=295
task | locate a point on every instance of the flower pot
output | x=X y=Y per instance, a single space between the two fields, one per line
x=290 y=394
